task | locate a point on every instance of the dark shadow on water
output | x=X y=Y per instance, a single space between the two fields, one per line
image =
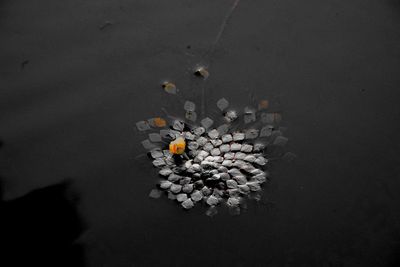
x=41 y=228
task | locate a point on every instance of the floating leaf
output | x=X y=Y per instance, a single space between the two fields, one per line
x=169 y=87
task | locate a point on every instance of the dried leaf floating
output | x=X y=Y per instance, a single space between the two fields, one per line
x=169 y=87
x=202 y=72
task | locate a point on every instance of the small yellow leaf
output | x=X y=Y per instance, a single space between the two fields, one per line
x=169 y=87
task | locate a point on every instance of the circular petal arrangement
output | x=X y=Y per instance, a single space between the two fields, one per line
x=199 y=163
x=214 y=168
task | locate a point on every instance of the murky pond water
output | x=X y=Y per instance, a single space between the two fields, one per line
x=75 y=78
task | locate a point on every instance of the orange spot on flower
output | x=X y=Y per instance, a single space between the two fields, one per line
x=177 y=146
x=160 y=122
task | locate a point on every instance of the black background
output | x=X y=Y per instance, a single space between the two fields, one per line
x=72 y=86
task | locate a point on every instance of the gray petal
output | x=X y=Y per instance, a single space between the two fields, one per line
x=148 y=145
x=189 y=106
x=178 y=125
x=142 y=125
x=222 y=104
x=155 y=137
x=251 y=133
x=207 y=122
x=155 y=193
x=191 y=115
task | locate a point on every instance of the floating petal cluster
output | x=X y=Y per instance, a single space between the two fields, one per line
x=201 y=163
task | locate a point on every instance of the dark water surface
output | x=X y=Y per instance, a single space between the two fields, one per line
x=76 y=75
